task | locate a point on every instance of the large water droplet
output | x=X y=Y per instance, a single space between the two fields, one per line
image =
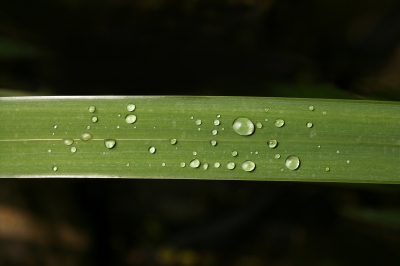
x=231 y=165
x=109 y=143
x=195 y=163
x=86 y=136
x=173 y=141
x=198 y=122
x=214 y=132
x=130 y=107
x=94 y=119
x=292 y=162
x=279 y=123
x=152 y=150
x=234 y=153
x=130 y=119
x=217 y=122
x=214 y=142
x=248 y=166
x=68 y=142
x=217 y=165
x=73 y=149
x=243 y=126
x=272 y=143
x=92 y=109
x=311 y=108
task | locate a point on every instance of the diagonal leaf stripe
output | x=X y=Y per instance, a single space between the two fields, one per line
x=235 y=138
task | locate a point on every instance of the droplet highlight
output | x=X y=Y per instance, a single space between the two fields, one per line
x=110 y=143
x=130 y=119
x=243 y=126
x=248 y=166
x=292 y=162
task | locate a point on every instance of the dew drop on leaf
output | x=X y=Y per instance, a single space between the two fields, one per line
x=259 y=125
x=292 y=162
x=152 y=150
x=182 y=164
x=243 y=126
x=130 y=119
x=198 y=122
x=195 y=163
x=279 y=123
x=231 y=165
x=217 y=122
x=214 y=132
x=173 y=141
x=130 y=107
x=94 y=119
x=248 y=166
x=309 y=124
x=55 y=168
x=277 y=156
x=234 y=153
x=73 y=149
x=217 y=165
x=92 y=109
x=214 y=142
x=86 y=136
x=272 y=143
x=68 y=142
x=311 y=108
x=110 y=143
x=205 y=166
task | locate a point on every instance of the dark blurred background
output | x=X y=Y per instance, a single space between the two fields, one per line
x=287 y=48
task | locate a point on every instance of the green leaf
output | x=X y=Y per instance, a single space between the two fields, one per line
x=200 y=138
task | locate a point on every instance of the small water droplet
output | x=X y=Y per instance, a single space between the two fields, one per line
x=198 y=129
x=218 y=116
x=337 y=151
x=311 y=108
x=205 y=166
x=130 y=119
x=68 y=142
x=117 y=127
x=217 y=122
x=319 y=146
x=55 y=126
x=194 y=153
x=259 y=125
x=86 y=136
x=217 y=165
x=243 y=126
x=198 y=122
x=127 y=164
x=109 y=143
x=256 y=152
x=309 y=124
x=49 y=151
x=163 y=164
x=130 y=107
x=214 y=142
x=277 y=156
x=152 y=150
x=348 y=161
x=231 y=165
x=279 y=123
x=119 y=115
x=94 y=119
x=223 y=128
x=191 y=117
x=88 y=127
x=73 y=149
x=266 y=119
x=327 y=169
x=53 y=133
x=248 y=166
x=214 y=132
x=324 y=113
x=55 y=168
x=92 y=109
x=173 y=141
x=234 y=153
x=272 y=143
x=266 y=110
x=182 y=164
x=292 y=162
x=195 y=163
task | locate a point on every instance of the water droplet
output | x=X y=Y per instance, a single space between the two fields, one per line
x=272 y=143
x=213 y=142
x=319 y=146
x=130 y=119
x=163 y=164
x=214 y=132
x=191 y=117
x=248 y=166
x=130 y=107
x=277 y=156
x=55 y=168
x=259 y=125
x=86 y=136
x=173 y=141
x=217 y=122
x=266 y=110
x=327 y=169
x=73 y=149
x=127 y=164
x=337 y=151
x=94 y=119
x=311 y=108
x=234 y=153
x=109 y=143
x=194 y=153
x=198 y=129
x=256 y=152
x=292 y=162
x=55 y=126
x=117 y=127
x=49 y=151
x=217 y=165
x=279 y=123
x=231 y=165
x=195 y=163
x=243 y=126
x=205 y=166
x=88 y=127
x=218 y=116
x=324 y=113
x=68 y=142
x=152 y=150
x=92 y=109
x=348 y=161
x=266 y=119
x=198 y=122
x=182 y=164
x=309 y=124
